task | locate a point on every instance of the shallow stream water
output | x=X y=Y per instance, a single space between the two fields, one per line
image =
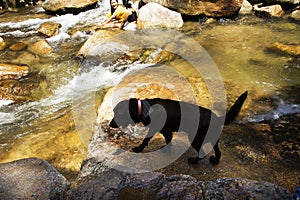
x=241 y=48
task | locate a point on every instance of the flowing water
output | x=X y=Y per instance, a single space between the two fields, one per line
x=44 y=127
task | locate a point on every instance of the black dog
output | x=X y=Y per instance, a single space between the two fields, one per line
x=166 y=116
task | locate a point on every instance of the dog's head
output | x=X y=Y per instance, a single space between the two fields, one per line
x=125 y=113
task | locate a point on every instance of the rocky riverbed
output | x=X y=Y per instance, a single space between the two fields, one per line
x=255 y=46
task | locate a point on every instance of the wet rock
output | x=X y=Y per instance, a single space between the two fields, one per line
x=295 y=15
x=11 y=71
x=289 y=49
x=263 y=127
x=27 y=58
x=19 y=89
x=2 y=44
x=18 y=46
x=113 y=184
x=210 y=21
x=246 y=8
x=222 y=8
x=72 y=6
x=31 y=178
x=273 y=11
x=41 y=48
x=49 y=28
x=94 y=46
x=153 y=15
x=127 y=47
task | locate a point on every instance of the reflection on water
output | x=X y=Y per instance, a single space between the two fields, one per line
x=45 y=128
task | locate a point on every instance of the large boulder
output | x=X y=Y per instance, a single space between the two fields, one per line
x=110 y=46
x=113 y=184
x=31 y=178
x=153 y=15
x=68 y=6
x=221 y=8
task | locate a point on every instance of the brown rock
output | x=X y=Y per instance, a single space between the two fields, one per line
x=2 y=44
x=41 y=48
x=70 y=6
x=49 y=28
x=221 y=8
x=18 y=46
x=11 y=71
x=289 y=49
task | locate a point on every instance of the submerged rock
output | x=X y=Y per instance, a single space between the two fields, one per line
x=153 y=15
x=18 y=46
x=289 y=49
x=31 y=178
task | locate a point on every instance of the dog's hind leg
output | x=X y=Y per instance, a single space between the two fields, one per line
x=216 y=159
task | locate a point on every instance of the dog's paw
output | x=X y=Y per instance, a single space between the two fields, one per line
x=213 y=160
x=137 y=149
x=193 y=160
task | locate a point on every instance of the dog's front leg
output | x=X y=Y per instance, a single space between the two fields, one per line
x=145 y=142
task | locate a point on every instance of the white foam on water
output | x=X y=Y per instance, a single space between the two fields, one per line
x=282 y=110
x=5 y=102
x=30 y=26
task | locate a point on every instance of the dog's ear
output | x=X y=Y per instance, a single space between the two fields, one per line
x=133 y=110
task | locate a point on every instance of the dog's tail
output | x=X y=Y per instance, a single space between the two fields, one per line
x=235 y=109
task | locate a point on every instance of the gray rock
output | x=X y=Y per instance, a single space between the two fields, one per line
x=152 y=185
x=31 y=178
x=236 y=188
